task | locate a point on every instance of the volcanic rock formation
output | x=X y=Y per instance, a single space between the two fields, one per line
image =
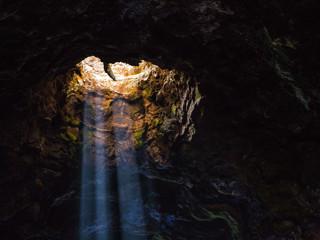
x=251 y=168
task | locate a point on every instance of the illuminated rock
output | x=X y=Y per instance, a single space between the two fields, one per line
x=159 y=104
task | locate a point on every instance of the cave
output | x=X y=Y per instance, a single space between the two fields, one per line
x=159 y=120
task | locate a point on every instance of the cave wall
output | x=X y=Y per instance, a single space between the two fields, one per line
x=257 y=63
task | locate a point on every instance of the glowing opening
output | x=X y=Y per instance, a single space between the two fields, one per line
x=118 y=76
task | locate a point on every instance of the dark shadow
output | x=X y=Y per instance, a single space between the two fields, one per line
x=109 y=71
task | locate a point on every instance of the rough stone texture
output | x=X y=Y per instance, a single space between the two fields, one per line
x=151 y=107
x=157 y=106
x=256 y=153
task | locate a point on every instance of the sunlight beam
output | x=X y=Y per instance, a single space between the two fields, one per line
x=129 y=186
x=101 y=214
x=96 y=213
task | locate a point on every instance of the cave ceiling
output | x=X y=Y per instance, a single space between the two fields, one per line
x=41 y=39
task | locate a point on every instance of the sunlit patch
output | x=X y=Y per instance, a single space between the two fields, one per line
x=119 y=77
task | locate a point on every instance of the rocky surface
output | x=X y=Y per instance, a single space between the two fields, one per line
x=251 y=169
x=151 y=108
x=157 y=106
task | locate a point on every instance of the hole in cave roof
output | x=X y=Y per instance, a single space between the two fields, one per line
x=116 y=75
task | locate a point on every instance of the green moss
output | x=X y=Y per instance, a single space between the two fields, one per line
x=201 y=214
x=74 y=122
x=69 y=136
x=72 y=136
x=277 y=57
x=148 y=92
x=139 y=134
x=197 y=93
x=138 y=143
x=276 y=50
x=156 y=122
x=73 y=82
x=174 y=109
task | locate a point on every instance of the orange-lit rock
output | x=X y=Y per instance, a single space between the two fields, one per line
x=156 y=105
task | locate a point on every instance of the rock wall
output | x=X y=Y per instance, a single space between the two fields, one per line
x=255 y=154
